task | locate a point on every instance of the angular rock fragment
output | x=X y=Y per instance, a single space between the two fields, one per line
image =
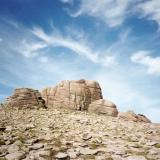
x=15 y=156
x=61 y=155
x=143 y=118
x=102 y=106
x=88 y=151
x=36 y=146
x=130 y=115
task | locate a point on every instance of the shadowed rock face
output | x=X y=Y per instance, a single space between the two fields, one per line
x=72 y=94
x=103 y=107
x=130 y=115
x=25 y=97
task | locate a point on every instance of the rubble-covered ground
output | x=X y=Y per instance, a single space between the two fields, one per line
x=48 y=134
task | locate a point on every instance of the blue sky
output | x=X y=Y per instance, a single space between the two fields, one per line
x=115 y=42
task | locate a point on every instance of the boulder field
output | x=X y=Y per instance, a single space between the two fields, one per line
x=72 y=121
x=82 y=95
x=63 y=134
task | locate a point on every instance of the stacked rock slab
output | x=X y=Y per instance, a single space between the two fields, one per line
x=130 y=115
x=72 y=94
x=25 y=97
x=103 y=107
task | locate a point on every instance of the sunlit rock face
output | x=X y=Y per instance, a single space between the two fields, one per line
x=25 y=97
x=75 y=95
x=130 y=115
x=102 y=106
x=72 y=94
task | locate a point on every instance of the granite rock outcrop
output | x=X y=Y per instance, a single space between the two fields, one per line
x=130 y=115
x=75 y=95
x=102 y=106
x=25 y=97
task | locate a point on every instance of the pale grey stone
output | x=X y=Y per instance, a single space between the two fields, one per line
x=61 y=155
x=15 y=156
x=136 y=158
x=36 y=146
x=88 y=151
x=13 y=148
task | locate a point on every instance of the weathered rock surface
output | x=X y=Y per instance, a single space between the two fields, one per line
x=130 y=115
x=61 y=155
x=72 y=94
x=76 y=95
x=143 y=118
x=15 y=156
x=102 y=106
x=25 y=97
x=70 y=134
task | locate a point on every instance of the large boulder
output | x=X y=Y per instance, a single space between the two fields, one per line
x=102 y=106
x=25 y=97
x=143 y=118
x=72 y=94
x=131 y=116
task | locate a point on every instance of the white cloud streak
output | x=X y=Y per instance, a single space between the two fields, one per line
x=59 y=40
x=150 y=10
x=30 y=49
x=144 y=58
x=114 y=12
x=77 y=46
x=34 y=56
x=39 y=67
x=111 y=12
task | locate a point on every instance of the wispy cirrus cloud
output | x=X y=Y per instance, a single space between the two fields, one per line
x=79 y=46
x=150 y=10
x=144 y=58
x=30 y=49
x=31 y=61
x=56 y=40
x=34 y=42
x=114 y=12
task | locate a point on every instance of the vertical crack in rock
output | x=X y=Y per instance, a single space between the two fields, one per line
x=73 y=94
